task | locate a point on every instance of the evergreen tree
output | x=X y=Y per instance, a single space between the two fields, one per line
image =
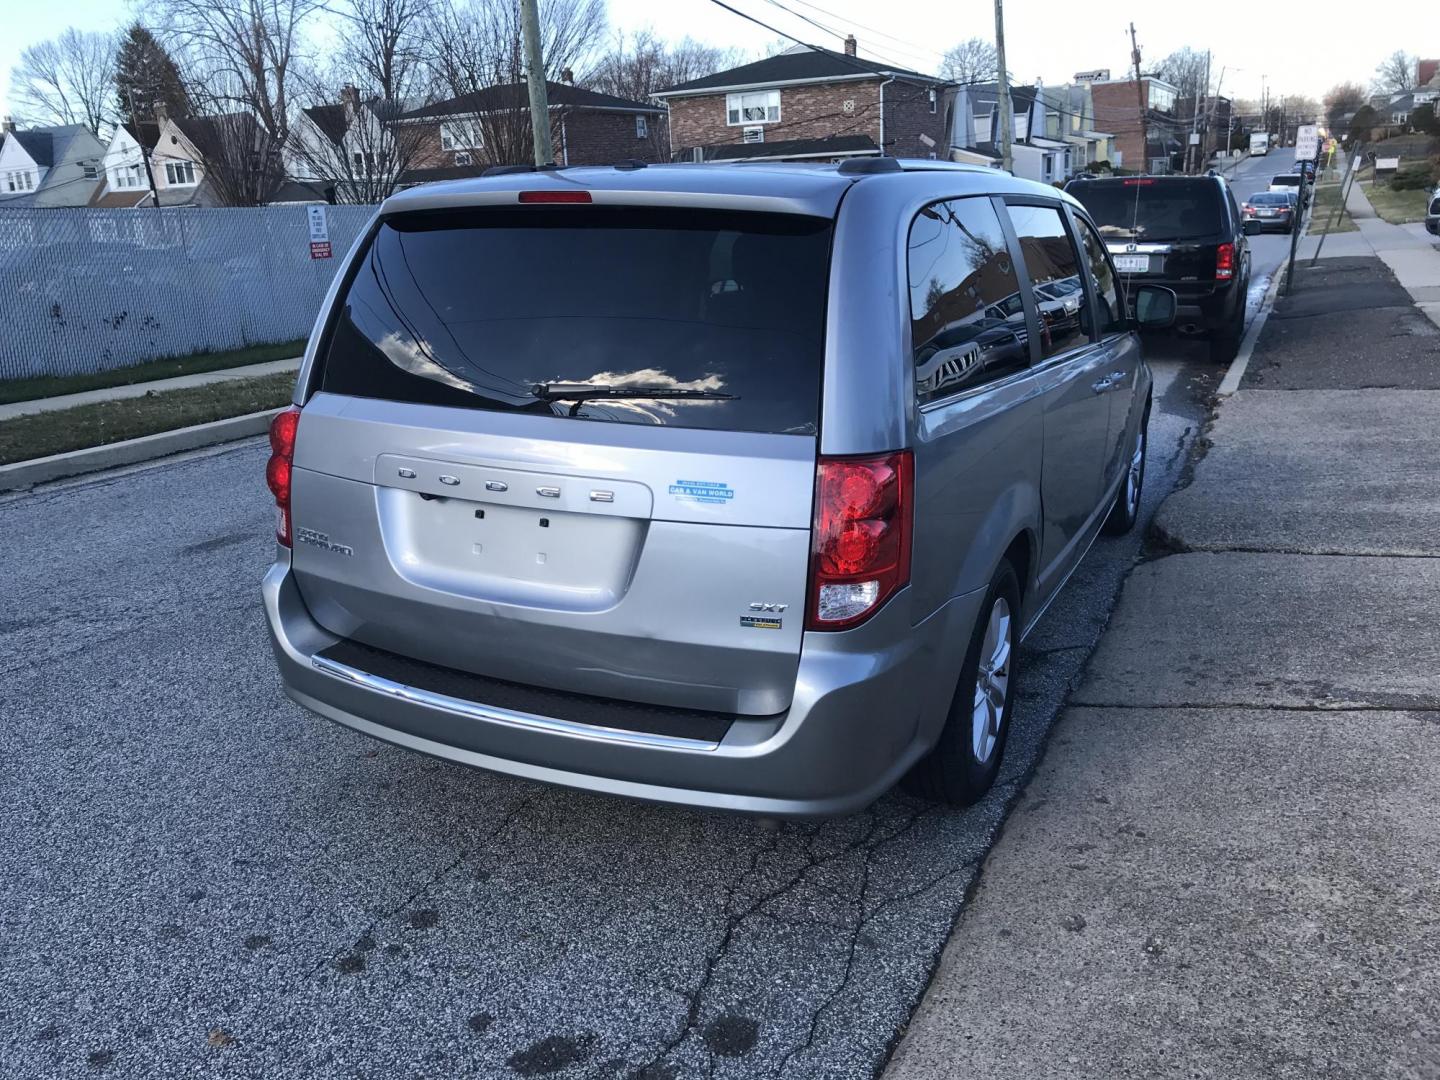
x=147 y=76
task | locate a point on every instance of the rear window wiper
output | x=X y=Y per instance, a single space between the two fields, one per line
x=580 y=393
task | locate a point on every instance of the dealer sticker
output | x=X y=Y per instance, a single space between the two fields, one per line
x=759 y=622
x=702 y=491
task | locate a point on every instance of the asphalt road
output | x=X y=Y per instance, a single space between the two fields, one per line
x=203 y=879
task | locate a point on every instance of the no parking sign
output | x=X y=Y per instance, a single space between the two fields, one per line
x=319 y=233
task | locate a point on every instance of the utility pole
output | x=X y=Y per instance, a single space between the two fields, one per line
x=1205 y=139
x=1002 y=82
x=1140 y=97
x=535 y=76
x=144 y=153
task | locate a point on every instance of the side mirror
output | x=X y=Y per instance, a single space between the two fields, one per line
x=1155 y=307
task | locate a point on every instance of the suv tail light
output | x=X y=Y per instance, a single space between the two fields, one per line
x=1225 y=262
x=860 y=548
x=278 y=468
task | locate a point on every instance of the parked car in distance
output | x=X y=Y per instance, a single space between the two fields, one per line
x=1270 y=210
x=1432 y=214
x=635 y=480
x=1184 y=232
x=1305 y=167
x=1290 y=182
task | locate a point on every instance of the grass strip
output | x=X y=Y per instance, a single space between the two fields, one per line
x=1327 y=198
x=43 y=386
x=42 y=434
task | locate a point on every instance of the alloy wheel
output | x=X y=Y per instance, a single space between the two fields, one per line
x=992 y=681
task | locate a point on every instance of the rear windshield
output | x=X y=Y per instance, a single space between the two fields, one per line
x=1435 y=208
x=1270 y=198
x=1151 y=208
x=686 y=318
x=1291 y=180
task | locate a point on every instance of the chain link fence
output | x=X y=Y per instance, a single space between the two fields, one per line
x=92 y=290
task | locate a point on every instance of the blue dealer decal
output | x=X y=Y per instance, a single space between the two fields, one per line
x=702 y=491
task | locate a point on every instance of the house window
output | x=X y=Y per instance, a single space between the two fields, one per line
x=642 y=128
x=91 y=171
x=127 y=176
x=364 y=162
x=460 y=135
x=933 y=102
x=759 y=107
x=462 y=157
x=180 y=173
x=20 y=180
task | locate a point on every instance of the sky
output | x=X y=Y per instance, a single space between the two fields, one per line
x=1044 y=38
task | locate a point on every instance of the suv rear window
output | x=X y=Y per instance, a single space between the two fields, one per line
x=1153 y=208
x=1270 y=198
x=1288 y=180
x=687 y=318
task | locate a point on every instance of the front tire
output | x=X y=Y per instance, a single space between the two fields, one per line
x=964 y=762
x=1126 y=511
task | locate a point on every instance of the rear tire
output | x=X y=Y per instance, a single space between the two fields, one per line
x=1126 y=510
x=1225 y=342
x=964 y=762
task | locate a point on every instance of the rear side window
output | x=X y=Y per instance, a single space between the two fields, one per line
x=1151 y=209
x=637 y=315
x=1054 y=277
x=967 y=322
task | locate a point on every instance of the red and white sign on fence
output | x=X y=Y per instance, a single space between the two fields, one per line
x=319 y=233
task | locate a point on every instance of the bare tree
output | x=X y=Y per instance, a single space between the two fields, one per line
x=477 y=43
x=1395 y=74
x=636 y=67
x=352 y=149
x=246 y=51
x=67 y=80
x=972 y=61
x=382 y=45
x=1185 y=70
x=1340 y=99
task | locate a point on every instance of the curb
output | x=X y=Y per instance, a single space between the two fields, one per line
x=26 y=474
x=1231 y=382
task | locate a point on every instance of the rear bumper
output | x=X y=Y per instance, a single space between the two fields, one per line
x=867 y=704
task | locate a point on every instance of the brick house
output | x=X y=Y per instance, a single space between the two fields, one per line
x=1117 y=110
x=811 y=103
x=464 y=135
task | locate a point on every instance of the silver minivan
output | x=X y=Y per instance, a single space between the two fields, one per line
x=734 y=486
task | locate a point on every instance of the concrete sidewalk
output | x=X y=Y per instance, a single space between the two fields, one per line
x=1228 y=863
x=135 y=390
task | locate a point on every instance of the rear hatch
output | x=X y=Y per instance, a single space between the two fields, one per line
x=572 y=446
x=1165 y=229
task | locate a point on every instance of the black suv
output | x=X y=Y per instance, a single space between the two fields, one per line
x=1184 y=232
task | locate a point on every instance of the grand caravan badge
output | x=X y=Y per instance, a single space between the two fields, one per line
x=322 y=541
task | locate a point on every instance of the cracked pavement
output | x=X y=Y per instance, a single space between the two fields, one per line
x=204 y=879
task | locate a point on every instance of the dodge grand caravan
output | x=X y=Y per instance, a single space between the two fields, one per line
x=732 y=486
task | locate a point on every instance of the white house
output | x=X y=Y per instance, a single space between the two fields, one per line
x=124 y=182
x=348 y=144
x=49 y=166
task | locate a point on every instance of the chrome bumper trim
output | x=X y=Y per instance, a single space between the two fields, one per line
x=474 y=711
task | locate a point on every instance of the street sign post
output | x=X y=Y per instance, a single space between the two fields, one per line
x=319 y=232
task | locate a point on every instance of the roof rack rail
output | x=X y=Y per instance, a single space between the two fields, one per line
x=510 y=170
x=631 y=163
x=867 y=165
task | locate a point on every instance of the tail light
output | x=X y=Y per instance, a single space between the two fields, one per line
x=860 y=553
x=279 y=467
x=1225 y=262
x=565 y=195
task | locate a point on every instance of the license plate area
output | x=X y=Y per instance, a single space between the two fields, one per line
x=1132 y=264
x=544 y=558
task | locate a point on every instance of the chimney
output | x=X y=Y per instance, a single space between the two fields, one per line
x=8 y=124
x=567 y=77
x=850 y=45
x=350 y=98
x=162 y=113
